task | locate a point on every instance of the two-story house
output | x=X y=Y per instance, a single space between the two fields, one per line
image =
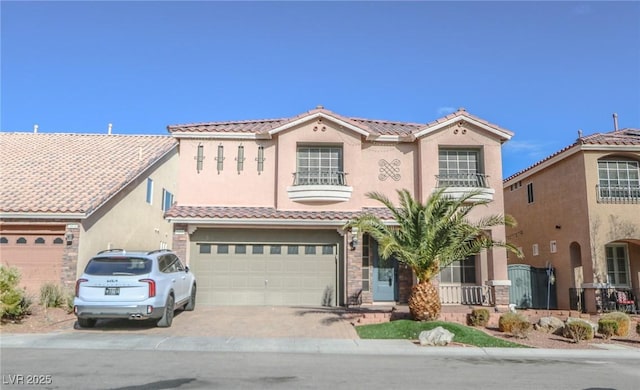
x=261 y=205
x=64 y=197
x=578 y=214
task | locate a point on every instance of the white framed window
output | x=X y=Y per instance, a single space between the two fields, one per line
x=618 y=178
x=460 y=168
x=167 y=200
x=535 y=250
x=617 y=265
x=319 y=165
x=149 y=197
x=553 y=247
x=460 y=272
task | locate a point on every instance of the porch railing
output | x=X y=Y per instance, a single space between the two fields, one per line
x=605 y=300
x=466 y=295
x=334 y=178
x=468 y=180
x=618 y=194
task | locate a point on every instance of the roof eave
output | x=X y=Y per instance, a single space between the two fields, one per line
x=317 y=115
x=220 y=135
x=43 y=216
x=503 y=134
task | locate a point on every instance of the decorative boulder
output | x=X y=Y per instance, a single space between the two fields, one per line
x=549 y=324
x=435 y=337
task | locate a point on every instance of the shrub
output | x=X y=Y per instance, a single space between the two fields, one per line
x=638 y=328
x=514 y=323
x=578 y=331
x=52 y=295
x=623 y=320
x=607 y=328
x=14 y=305
x=479 y=317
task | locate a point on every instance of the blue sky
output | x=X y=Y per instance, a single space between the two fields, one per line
x=540 y=69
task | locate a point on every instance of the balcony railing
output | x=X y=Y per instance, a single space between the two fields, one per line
x=618 y=194
x=334 y=178
x=467 y=180
x=466 y=295
x=606 y=300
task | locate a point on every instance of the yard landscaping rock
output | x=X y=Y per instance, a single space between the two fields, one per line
x=436 y=337
x=549 y=325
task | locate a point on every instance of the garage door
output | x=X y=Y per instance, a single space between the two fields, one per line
x=38 y=256
x=265 y=273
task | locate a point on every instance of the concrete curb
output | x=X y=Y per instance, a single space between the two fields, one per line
x=292 y=345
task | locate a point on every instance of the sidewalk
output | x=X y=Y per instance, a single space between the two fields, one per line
x=290 y=345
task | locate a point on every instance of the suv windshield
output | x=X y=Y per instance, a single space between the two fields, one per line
x=118 y=266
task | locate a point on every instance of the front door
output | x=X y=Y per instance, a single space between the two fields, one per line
x=384 y=276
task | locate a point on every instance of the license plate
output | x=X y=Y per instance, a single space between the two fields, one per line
x=112 y=291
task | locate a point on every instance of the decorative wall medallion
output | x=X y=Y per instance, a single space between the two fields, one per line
x=389 y=170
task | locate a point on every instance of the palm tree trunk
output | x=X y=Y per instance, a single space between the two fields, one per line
x=424 y=302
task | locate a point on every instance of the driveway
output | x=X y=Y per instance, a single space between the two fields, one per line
x=245 y=321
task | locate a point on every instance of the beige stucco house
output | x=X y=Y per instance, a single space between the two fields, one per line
x=261 y=205
x=578 y=213
x=64 y=197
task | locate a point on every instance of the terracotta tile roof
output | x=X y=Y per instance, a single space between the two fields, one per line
x=268 y=213
x=71 y=173
x=373 y=126
x=623 y=137
x=620 y=137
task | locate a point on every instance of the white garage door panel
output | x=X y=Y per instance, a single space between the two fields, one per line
x=264 y=279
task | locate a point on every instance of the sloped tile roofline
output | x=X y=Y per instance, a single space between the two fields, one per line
x=368 y=127
x=267 y=215
x=65 y=175
x=624 y=138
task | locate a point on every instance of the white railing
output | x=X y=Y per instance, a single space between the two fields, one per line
x=466 y=295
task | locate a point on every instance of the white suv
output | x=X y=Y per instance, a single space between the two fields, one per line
x=133 y=285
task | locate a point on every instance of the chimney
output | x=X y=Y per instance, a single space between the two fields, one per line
x=110 y=127
x=35 y=128
x=615 y=121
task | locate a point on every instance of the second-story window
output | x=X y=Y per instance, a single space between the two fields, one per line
x=530 y=193
x=460 y=168
x=319 y=165
x=619 y=178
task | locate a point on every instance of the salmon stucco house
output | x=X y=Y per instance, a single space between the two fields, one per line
x=64 y=197
x=261 y=206
x=578 y=214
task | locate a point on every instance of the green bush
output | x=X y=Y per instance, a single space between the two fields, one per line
x=514 y=323
x=14 y=305
x=578 y=330
x=623 y=320
x=607 y=328
x=53 y=295
x=479 y=317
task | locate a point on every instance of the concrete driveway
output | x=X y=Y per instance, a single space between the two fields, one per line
x=245 y=321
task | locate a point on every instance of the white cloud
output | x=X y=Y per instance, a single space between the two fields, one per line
x=527 y=148
x=445 y=110
x=582 y=9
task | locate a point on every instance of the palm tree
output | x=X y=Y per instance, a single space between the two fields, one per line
x=429 y=237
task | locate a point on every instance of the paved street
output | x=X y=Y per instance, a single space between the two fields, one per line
x=149 y=369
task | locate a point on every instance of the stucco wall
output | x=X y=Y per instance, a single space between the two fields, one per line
x=127 y=221
x=229 y=186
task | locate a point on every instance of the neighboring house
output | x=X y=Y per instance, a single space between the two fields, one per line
x=64 y=197
x=578 y=213
x=262 y=204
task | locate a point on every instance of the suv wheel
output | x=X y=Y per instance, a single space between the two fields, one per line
x=167 y=316
x=192 y=300
x=87 y=322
